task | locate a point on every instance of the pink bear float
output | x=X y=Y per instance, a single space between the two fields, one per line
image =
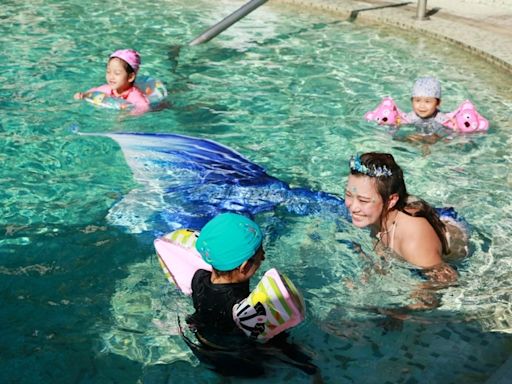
x=386 y=113
x=467 y=117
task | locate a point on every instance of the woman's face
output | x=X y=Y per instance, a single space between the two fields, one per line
x=363 y=201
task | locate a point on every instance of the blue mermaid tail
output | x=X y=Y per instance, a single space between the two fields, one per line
x=186 y=181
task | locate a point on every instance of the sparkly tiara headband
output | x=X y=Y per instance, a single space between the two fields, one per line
x=373 y=171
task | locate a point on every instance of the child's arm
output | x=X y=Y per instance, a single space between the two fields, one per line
x=105 y=88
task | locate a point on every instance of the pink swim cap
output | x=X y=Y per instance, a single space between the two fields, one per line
x=131 y=56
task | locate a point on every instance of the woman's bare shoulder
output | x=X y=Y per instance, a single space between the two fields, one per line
x=412 y=224
x=417 y=242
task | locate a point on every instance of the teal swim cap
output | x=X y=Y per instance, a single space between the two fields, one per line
x=228 y=240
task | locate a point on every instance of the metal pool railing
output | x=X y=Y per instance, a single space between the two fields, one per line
x=227 y=22
x=421 y=10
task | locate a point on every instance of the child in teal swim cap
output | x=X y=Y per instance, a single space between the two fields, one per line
x=227 y=242
x=232 y=245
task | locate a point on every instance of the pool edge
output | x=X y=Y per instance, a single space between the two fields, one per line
x=460 y=30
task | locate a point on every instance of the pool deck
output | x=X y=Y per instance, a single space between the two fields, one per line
x=483 y=27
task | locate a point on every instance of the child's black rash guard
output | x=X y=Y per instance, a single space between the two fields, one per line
x=213 y=304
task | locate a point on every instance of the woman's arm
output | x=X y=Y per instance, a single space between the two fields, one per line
x=418 y=244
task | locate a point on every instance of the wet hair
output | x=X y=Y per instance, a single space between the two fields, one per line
x=126 y=66
x=226 y=274
x=250 y=261
x=394 y=183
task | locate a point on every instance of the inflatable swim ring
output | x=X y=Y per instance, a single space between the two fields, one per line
x=101 y=99
x=467 y=117
x=153 y=88
x=273 y=306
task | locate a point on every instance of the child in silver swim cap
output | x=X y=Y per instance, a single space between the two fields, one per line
x=426 y=99
x=425 y=115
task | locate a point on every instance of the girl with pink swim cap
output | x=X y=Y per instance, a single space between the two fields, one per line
x=122 y=68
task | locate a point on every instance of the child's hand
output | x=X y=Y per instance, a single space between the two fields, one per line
x=453 y=120
x=78 y=96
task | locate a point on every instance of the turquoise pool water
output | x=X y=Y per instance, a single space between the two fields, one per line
x=83 y=299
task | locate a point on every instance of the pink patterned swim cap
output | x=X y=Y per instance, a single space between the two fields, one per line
x=131 y=56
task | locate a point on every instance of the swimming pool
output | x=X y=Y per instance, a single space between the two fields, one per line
x=83 y=299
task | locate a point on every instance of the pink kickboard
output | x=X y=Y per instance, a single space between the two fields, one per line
x=180 y=263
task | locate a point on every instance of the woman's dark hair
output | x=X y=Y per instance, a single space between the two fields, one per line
x=389 y=184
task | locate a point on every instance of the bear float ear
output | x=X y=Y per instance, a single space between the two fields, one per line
x=467 y=105
x=483 y=123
